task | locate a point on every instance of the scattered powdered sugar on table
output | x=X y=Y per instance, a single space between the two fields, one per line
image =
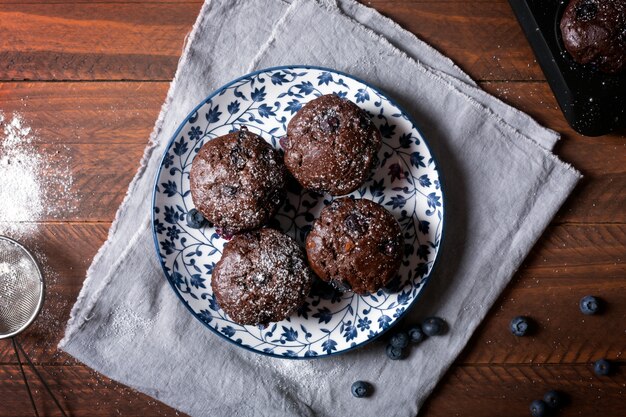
x=35 y=184
x=35 y=180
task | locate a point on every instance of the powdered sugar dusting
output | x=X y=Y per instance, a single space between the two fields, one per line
x=126 y=322
x=237 y=181
x=306 y=376
x=331 y=145
x=36 y=180
x=261 y=277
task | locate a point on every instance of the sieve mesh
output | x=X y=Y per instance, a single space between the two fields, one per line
x=21 y=288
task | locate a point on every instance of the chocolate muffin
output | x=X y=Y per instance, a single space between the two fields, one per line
x=261 y=277
x=237 y=181
x=355 y=245
x=595 y=31
x=331 y=145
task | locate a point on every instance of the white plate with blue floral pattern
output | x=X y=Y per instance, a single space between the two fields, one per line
x=405 y=181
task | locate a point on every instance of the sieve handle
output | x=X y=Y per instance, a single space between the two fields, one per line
x=45 y=384
x=19 y=362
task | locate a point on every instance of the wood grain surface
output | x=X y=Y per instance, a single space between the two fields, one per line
x=492 y=390
x=90 y=78
x=134 y=41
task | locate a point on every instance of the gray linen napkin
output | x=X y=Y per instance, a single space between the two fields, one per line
x=502 y=187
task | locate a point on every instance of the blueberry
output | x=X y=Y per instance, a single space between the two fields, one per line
x=589 y=305
x=361 y=389
x=356 y=223
x=538 y=408
x=261 y=278
x=329 y=124
x=229 y=190
x=603 y=367
x=276 y=197
x=393 y=285
x=621 y=35
x=224 y=234
x=364 y=122
x=586 y=10
x=390 y=248
x=399 y=340
x=267 y=154
x=554 y=399
x=520 y=325
x=324 y=290
x=434 y=326
x=264 y=319
x=395 y=353
x=416 y=334
x=284 y=142
x=237 y=158
x=334 y=205
x=341 y=285
x=194 y=219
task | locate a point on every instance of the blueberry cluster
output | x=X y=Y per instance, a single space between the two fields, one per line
x=398 y=347
x=399 y=342
x=552 y=401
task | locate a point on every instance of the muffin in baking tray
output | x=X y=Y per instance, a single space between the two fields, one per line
x=331 y=145
x=594 y=31
x=355 y=245
x=237 y=181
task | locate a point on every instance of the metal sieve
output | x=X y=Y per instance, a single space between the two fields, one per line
x=21 y=298
x=21 y=288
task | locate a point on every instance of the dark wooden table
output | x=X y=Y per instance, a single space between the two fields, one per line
x=90 y=78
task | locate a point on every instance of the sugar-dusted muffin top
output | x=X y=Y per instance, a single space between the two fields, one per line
x=355 y=245
x=595 y=31
x=262 y=277
x=331 y=145
x=237 y=181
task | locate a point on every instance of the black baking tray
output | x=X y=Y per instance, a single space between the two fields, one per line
x=594 y=103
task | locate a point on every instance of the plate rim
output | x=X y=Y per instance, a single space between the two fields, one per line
x=216 y=92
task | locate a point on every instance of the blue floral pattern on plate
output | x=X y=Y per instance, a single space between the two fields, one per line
x=405 y=181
